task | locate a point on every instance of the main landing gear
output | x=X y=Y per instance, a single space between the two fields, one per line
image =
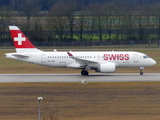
x=141 y=68
x=84 y=72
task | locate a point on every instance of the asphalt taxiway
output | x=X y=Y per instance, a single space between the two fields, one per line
x=114 y=77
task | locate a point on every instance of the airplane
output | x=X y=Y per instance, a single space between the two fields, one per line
x=100 y=61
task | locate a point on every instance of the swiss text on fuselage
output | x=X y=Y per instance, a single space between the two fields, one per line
x=116 y=56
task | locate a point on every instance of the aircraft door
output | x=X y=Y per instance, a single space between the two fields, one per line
x=43 y=58
x=135 y=59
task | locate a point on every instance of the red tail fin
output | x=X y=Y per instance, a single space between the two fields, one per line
x=19 y=39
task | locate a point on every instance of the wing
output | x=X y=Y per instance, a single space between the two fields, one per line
x=82 y=61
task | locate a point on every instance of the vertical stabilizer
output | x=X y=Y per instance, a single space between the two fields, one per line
x=21 y=42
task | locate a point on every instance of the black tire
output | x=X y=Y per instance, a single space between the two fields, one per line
x=141 y=73
x=84 y=72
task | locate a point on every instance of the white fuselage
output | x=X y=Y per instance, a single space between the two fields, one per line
x=61 y=59
x=104 y=62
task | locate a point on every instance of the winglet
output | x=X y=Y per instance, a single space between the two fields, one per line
x=69 y=54
x=55 y=50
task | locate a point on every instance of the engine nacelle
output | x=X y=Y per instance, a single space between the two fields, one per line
x=106 y=67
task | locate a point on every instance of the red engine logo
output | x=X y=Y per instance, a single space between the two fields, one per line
x=116 y=56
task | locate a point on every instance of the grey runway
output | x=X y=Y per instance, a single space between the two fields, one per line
x=114 y=77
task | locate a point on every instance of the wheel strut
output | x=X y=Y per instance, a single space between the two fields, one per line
x=141 y=72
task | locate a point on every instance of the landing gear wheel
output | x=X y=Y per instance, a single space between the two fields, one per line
x=84 y=72
x=141 y=73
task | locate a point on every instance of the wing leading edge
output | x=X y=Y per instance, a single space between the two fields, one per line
x=82 y=61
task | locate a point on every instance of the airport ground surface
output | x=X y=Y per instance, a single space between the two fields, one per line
x=74 y=101
x=93 y=77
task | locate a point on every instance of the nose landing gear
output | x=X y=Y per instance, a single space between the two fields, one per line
x=141 y=68
x=141 y=73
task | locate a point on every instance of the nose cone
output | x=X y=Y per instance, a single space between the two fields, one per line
x=152 y=62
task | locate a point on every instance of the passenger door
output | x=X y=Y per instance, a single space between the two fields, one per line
x=43 y=58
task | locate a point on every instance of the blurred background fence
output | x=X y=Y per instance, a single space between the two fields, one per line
x=87 y=45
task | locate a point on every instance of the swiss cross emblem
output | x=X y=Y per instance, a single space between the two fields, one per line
x=20 y=39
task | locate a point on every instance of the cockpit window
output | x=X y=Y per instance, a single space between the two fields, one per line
x=145 y=57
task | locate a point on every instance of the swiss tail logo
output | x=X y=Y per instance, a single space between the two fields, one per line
x=19 y=39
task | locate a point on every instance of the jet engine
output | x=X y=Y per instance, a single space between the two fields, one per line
x=106 y=67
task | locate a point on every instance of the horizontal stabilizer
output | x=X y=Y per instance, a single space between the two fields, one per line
x=20 y=55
